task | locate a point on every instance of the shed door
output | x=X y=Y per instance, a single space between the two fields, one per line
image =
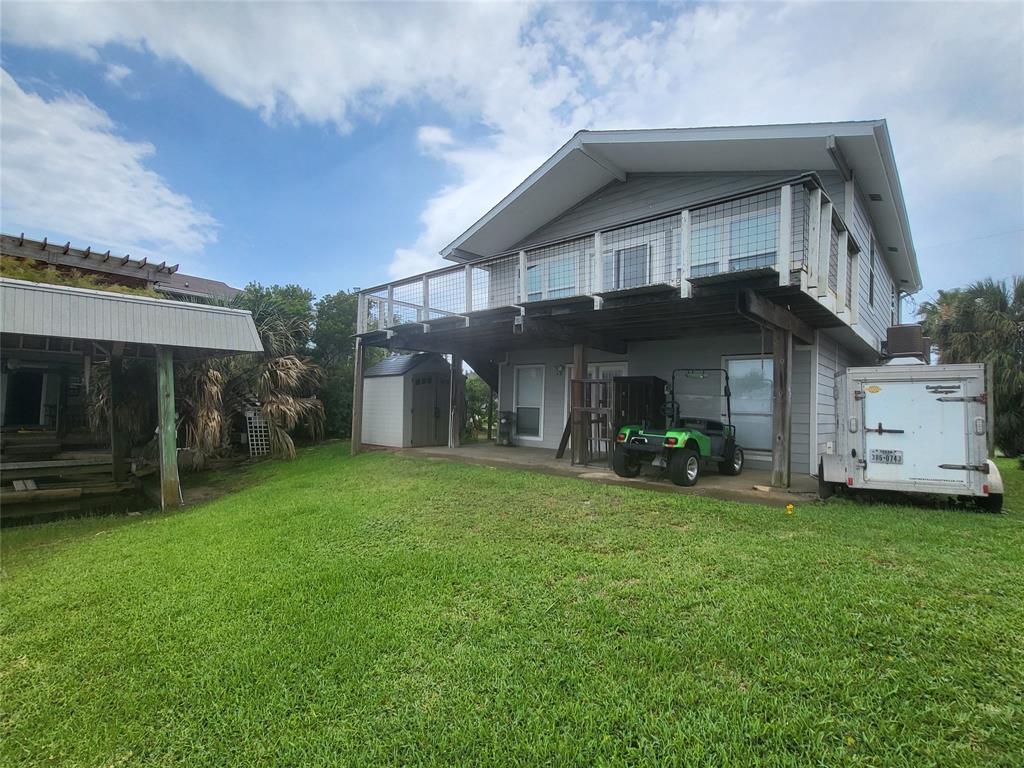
x=918 y=432
x=430 y=409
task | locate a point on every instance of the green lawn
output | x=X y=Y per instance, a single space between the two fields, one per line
x=389 y=610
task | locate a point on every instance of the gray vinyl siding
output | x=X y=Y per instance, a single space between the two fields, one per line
x=645 y=195
x=874 y=318
x=658 y=358
x=832 y=358
x=36 y=309
x=800 y=437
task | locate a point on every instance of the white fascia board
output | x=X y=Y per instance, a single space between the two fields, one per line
x=572 y=144
x=726 y=133
x=892 y=178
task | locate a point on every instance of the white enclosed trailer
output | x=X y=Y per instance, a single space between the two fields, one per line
x=914 y=428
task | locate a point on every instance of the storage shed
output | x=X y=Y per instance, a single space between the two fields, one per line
x=405 y=401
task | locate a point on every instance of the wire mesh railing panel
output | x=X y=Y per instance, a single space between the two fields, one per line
x=409 y=292
x=801 y=224
x=648 y=253
x=447 y=294
x=833 y=259
x=500 y=283
x=559 y=271
x=736 y=235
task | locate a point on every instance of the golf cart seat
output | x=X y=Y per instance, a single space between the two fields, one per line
x=707 y=426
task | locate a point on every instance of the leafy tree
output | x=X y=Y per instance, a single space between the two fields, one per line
x=478 y=394
x=293 y=303
x=984 y=322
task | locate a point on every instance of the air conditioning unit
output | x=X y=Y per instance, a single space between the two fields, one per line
x=908 y=341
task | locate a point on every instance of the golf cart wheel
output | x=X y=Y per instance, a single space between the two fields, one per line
x=991 y=503
x=684 y=466
x=732 y=466
x=623 y=464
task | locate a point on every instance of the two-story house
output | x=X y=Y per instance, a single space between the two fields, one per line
x=778 y=253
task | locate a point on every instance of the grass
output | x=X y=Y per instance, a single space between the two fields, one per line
x=390 y=610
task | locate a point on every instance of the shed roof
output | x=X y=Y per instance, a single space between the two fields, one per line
x=399 y=365
x=39 y=309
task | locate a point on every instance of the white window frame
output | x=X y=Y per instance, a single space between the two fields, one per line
x=726 y=223
x=515 y=400
x=759 y=453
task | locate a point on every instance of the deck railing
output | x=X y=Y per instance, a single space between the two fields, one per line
x=779 y=228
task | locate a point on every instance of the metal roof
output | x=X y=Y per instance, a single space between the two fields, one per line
x=39 y=309
x=399 y=365
x=591 y=160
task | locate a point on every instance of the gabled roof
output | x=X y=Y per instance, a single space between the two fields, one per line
x=592 y=159
x=399 y=365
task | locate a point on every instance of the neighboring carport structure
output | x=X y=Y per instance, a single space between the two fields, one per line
x=42 y=321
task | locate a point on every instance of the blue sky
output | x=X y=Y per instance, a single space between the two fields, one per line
x=340 y=145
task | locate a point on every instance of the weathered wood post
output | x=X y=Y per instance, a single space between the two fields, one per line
x=118 y=443
x=170 y=486
x=457 y=395
x=359 y=363
x=782 y=406
x=579 y=427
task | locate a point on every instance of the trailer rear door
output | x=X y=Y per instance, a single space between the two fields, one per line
x=909 y=431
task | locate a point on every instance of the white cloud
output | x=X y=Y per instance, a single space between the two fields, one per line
x=947 y=76
x=66 y=171
x=116 y=73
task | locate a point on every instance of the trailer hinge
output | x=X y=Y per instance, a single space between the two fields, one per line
x=983 y=468
x=982 y=398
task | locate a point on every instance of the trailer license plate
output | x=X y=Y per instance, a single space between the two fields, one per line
x=879 y=456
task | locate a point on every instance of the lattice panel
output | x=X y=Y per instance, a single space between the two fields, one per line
x=259 y=433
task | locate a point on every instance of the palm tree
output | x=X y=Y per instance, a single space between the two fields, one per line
x=214 y=393
x=984 y=322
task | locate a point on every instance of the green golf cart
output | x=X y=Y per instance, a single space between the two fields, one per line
x=687 y=444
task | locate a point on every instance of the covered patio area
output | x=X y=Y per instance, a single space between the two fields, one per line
x=753 y=485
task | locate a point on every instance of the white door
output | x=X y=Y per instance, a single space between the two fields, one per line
x=901 y=419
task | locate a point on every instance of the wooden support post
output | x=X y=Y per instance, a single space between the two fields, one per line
x=118 y=444
x=170 y=487
x=813 y=237
x=490 y=414
x=824 y=249
x=458 y=388
x=782 y=406
x=358 y=366
x=579 y=428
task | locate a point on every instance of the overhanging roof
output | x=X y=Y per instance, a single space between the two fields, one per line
x=197 y=330
x=593 y=159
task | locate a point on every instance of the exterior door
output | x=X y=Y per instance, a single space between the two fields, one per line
x=430 y=409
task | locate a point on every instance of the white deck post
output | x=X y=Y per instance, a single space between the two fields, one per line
x=842 y=277
x=824 y=247
x=426 y=300
x=813 y=240
x=686 y=256
x=391 y=308
x=598 y=285
x=782 y=252
x=361 y=320
x=469 y=287
x=523 y=292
